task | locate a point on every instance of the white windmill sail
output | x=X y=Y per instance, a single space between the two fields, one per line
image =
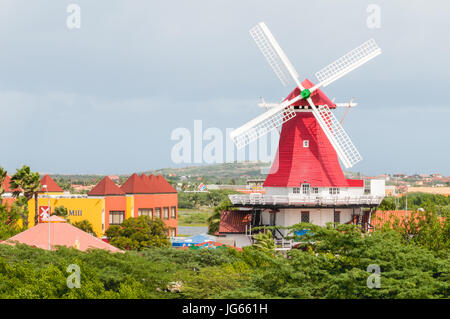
x=263 y=124
x=283 y=68
x=273 y=53
x=278 y=115
x=355 y=58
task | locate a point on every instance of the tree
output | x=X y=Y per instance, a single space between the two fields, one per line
x=29 y=183
x=86 y=226
x=265 y=243
x=214 y=220
x=62 y=212
x=2 y=180
x=139 y=233
x=8 y=222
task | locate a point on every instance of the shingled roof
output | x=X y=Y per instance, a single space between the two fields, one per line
x=106 y=187
x=144 y=184
x=51 y=185
x=234 y=221
x=5 y=184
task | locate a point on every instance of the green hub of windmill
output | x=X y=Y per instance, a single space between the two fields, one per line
x=305 y=93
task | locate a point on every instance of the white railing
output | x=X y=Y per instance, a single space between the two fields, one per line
x=290 y=200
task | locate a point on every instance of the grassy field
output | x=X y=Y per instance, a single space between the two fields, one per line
x=194 y=217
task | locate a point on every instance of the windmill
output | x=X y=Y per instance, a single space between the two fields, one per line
x=303 y=95
x=306 y=182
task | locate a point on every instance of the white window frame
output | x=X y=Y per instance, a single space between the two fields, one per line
x=305 y=143
x=306 y=189
x=334 y=190
x=296 y=190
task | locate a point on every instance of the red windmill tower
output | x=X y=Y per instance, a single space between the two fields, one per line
x=306 y=182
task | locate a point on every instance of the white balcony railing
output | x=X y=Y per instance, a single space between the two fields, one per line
x=296 y=200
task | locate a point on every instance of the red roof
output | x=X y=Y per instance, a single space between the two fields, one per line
x=318 y=97
x=164 y=186
x=61 y=234
x=294 y=164
x=233 y=221
x=147 y=185
x=5 y=184
x=355 y=182
x=134 y=185
x=51 y=185
x=106 y=187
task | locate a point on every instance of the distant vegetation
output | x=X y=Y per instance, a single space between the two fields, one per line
x=203 y=199
x=435 y=203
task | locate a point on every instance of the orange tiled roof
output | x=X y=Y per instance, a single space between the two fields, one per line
x=5 y=184
x=106 y=187
x=51 y=185
x=144 y=184
x=379 y=218
x=233 y=221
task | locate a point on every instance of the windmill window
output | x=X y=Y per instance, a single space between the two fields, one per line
x=334 y=190
x=314 y=190
x=306 y=143
x=305 y=217
x=305 y=189
x=296 y=190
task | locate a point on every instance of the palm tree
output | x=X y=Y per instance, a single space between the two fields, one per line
x=264 y=242
x=2 y=179
x=214 y=219
x=27 y=182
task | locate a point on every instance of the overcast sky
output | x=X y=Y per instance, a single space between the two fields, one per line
x=105 y=98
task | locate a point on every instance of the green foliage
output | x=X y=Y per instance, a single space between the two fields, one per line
x=27 y=182
x=264 y=242
x=435 y=203
x=139 y=233
x=3 y=174
x=86 y=226
x=61 y=211
x=186 y=217
x=198 y=199
x=214 y=220
x=8 y=221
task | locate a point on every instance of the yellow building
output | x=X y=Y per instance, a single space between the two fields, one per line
x=108 y=204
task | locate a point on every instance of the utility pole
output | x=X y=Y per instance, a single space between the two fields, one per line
x=48 y=220
x=406 y=210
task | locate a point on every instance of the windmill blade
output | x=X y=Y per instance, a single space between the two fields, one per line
x=274 y=55
x=251 y=132
x=263 y=124
x=355 y=58
x=336 y=134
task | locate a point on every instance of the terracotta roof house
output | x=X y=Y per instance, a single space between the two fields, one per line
x=106 y=187
x=234 y=221
x=52 y=187
x=61 y=234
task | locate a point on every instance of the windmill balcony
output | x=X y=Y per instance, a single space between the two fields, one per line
x=296 y=200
